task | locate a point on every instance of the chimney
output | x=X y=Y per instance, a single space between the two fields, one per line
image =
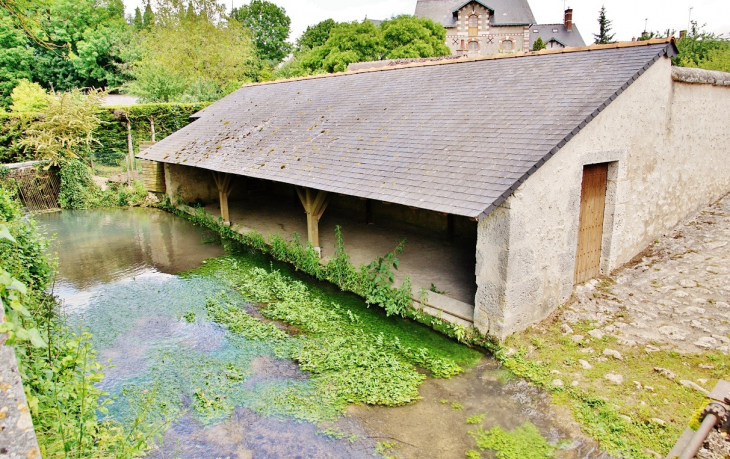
x=682 y=34
x=569 y=19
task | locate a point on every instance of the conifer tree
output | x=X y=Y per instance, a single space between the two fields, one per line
x=604 y=36
x=137 y=21
x=148 y=18
x=190 y=14
x=539 y=44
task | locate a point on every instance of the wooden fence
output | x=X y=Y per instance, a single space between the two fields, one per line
x=38 y=188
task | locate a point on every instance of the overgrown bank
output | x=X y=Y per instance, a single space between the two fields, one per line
x=58 y=366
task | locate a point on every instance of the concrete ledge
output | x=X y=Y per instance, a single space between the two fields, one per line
x=700 y=76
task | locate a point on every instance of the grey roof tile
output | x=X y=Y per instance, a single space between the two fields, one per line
x=473 y=155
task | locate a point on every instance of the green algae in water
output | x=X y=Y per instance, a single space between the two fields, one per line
x=356 y=351
x=524 y=442
x=171 y=356
x=235 y=270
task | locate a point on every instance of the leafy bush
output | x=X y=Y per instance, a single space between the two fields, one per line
x=64 y=130
x=28 y=97
x=78 y=190
x=703 y=50
x=12 y=129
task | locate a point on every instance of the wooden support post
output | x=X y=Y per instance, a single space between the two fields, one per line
x=314 y=206
x=450 y=227
x=223 y=183
x=130 y=147
x=368 y=212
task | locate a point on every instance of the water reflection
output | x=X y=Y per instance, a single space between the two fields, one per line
x=104 y=246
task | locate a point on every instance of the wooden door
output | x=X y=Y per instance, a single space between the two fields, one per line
x=590 y=229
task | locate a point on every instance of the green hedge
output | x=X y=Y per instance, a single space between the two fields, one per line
x=112 y=134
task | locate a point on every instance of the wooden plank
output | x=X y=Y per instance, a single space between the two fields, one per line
x=590 y=229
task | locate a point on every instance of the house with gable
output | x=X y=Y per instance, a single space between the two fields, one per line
x=485 y=27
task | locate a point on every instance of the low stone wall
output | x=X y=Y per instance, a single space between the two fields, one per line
x=667 y=146
x=17 y=437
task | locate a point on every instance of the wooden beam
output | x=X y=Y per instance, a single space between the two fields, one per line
x=223 y=183
x=314 y=206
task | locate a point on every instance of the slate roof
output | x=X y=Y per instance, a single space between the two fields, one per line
x=562 y=36
x=412 y=135
x=506 y=12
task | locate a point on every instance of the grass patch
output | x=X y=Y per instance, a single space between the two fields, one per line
x=525 y=442
x=622 y=417
x=476 y=419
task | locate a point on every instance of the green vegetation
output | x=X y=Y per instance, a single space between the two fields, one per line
x=539 y=44
x=192 y=55
x=269 y=26
x=525 y=442
x=57 y=365
x=604 y=35
x=355 y=354
x=64 y=128
x=400 y=37
x=476 y=419
x=78 y=190
x=703 y=50
x=367 y=281
x=622 y=417
x=28 y=97
x=110 y=145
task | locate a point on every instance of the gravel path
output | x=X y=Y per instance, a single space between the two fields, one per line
x=675 y=297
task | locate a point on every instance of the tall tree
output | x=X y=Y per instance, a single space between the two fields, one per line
x=316 y=35
x=15 y=57
x=400 y=37
x=148 y=18
x=137 y=21
x=604 y=35
x=193 y=59
x=270 y=27
x=412 y=37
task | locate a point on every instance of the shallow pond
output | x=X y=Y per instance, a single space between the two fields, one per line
x=118 y=274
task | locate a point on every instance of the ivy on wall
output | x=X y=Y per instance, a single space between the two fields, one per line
x=112 y=133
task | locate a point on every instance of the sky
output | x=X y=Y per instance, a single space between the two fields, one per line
x=628 y=16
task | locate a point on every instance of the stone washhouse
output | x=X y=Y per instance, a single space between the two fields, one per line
x=512 y=178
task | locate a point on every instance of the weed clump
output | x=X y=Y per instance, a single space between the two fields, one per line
x=525 y=442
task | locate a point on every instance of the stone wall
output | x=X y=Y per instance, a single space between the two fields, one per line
x=667 y=145
x=188 y=184
x=17 y=436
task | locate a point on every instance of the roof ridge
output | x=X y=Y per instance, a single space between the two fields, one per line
x=594 y=47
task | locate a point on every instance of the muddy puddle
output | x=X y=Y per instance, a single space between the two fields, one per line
x=230 y=397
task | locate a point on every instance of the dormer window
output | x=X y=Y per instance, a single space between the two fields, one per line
x=508 y=45
x=473 y=25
